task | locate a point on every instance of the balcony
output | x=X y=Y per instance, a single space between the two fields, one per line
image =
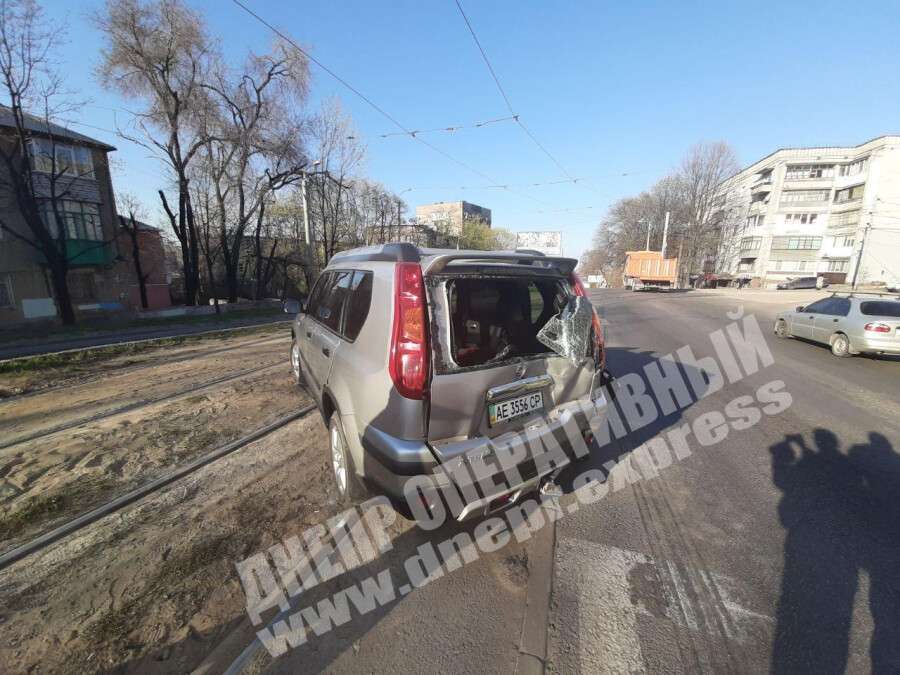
x=761 y=186
x=840 y=252
x=88 y=253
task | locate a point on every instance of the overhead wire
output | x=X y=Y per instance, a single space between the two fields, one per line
x=374 y=105
x=513 y=112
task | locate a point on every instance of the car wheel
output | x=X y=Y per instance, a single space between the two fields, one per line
x=781 y=329
x=350 y=489
x=295 y=362
x=840 y=345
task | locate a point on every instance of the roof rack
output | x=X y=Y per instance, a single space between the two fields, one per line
x=393 y=252
x=849 y=294
x=438 y=259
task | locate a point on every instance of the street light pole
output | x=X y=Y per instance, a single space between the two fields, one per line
x=862 y=246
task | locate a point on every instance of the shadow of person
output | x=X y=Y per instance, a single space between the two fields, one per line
x=880 y=467
x=821 y=562
x=838 y=523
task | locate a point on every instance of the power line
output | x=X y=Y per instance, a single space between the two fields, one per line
x=518 y=119
x=458 y=127
x=370 y=102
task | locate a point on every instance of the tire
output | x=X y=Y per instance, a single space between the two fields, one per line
x=840 y=346
x=296 y=370
x=781 y=329
x=349 y=487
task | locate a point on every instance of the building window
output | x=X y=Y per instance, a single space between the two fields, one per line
x=800 y=218
x=844 y=240
x=755 y=221
x=854 y=168
x=849 y=194
x=804 y=196
x=809 y=171
x=6 y=294
x=845 y=218
x=71 y=160
x=837 y=265
x=796 y=243
x=778 y=265
x=82 y=219
x=751 y=243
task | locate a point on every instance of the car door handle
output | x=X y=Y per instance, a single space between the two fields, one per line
x=308 y=334
x=326 y=351
x=835 y=320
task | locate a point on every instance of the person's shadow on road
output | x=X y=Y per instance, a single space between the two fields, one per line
x=841 y=516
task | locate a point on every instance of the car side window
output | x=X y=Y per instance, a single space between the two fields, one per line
x=315 y=297
x=817 y=307
x=358 y=303
x=840 y=306
x=331 y=305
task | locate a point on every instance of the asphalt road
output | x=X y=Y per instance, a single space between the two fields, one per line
x=775 y=549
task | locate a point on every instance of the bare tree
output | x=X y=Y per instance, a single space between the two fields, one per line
x=333 y=143
x=30 y=83
x=704 y=168
x=129 y=204
x=255 y=149
x=689 y=195
x=159 y=52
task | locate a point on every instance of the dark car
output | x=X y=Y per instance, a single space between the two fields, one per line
x=801 y=282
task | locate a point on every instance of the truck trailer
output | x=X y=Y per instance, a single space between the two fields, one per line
x=648 y=270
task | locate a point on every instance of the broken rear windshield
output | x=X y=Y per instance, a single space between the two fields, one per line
x=493 y=319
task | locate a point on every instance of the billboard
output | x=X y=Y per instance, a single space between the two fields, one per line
x=548 y=243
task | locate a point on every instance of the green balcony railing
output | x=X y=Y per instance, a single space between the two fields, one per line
x=88 y=252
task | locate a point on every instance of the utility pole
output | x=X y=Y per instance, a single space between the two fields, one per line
x=665 y=234
x=678 y=271
x=305 y=207
x=862 y=246
x=649 y=227
x=399 y=223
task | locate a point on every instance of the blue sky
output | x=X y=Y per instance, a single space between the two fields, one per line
x=608 y=88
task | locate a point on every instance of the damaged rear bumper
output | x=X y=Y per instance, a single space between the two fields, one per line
x=390 y=463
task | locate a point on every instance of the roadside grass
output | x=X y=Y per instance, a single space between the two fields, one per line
x=12 y=336
x=18 y=376
x=76 y=498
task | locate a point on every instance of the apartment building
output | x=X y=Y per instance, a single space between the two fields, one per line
x=448 y=217
x=830 y=211
x=101 y=276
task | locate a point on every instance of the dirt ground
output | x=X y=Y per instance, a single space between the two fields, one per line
x=153 y=586
x=54 y=477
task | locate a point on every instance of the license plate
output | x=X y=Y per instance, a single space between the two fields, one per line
x=515 y=407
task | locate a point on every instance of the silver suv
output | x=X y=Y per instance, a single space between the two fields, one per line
x=415 y=355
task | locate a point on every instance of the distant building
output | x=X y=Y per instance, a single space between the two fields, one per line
x=806 y=211
x=97 y=281
x=448 y=217
x=153 y=265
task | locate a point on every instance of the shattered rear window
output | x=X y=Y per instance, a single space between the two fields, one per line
x=497 y=319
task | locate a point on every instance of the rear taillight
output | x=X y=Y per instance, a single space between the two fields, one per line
x=599 y=351
x=409 y=341
x=877 y=327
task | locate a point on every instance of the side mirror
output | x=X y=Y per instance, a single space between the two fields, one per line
x=292 y=307
x=799 y=308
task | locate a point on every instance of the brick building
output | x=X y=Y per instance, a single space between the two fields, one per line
x=100 y=277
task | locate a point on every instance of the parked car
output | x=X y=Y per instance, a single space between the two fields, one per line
x=793 y=283
x=855 y=323
x=415 y=356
